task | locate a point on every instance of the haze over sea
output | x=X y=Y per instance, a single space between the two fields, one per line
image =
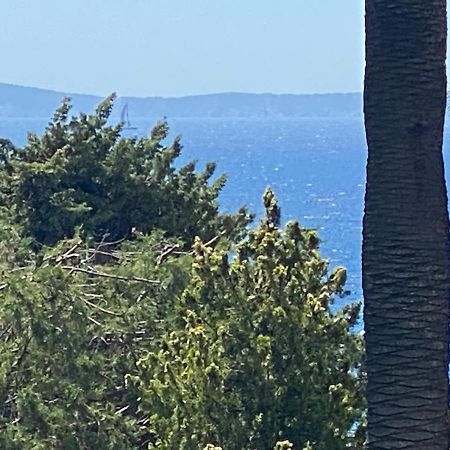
x=316 y=166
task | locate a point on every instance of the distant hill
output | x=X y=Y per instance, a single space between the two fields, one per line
x=19 y=101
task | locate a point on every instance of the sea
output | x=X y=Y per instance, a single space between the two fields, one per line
x=315 y=166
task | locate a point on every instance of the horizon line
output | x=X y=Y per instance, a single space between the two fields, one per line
x=68 y=93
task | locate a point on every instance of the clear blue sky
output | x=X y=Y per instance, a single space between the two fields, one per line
x=180 y=47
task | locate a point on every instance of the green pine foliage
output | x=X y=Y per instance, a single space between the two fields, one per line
x=134 y=315
x=71 y=333
x=81 y=172
x=258 y=356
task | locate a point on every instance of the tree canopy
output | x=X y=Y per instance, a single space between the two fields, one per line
x=81 y=172
x=134 y=314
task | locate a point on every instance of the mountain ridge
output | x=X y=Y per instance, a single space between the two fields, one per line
x=21 y=101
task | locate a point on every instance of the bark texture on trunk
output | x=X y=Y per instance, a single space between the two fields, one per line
x=405 y=237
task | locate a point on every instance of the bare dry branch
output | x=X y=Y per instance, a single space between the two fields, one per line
x=106 y=311
x=96 y=273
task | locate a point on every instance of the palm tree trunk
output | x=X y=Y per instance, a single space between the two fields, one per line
x=405 y=237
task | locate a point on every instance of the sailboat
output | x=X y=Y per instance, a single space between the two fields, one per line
x=125 y=119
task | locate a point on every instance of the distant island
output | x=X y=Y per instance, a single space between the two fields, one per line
x=20 y=101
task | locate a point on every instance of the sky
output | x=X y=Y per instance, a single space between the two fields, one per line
x=183 y=47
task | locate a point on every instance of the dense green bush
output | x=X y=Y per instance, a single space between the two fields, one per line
x=190 y=331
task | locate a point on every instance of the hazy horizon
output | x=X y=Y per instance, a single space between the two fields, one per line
x=94 y=94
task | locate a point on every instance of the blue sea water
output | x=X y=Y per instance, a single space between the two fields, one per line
x=315 y=166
